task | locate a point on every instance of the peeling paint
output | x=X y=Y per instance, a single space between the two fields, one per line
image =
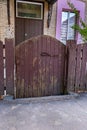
x=34 y=61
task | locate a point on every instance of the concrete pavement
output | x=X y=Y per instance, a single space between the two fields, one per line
x=54 y=115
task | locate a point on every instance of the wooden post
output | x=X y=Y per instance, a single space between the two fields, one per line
x=71 y=65
x=1 y=70
x=9 y=55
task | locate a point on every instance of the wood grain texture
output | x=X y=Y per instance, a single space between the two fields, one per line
x=43 y=68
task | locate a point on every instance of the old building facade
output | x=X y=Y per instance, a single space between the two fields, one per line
x=7 y=25
x=9 y=30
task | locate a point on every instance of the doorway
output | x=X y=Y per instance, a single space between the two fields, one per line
x=28 y=20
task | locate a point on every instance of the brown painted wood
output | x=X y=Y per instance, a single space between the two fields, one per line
x=79 y=67
x=19 y=31
x=42 y=70
x=72 y=63
x=77 y=70
x=27 y=74
x=83 y=67
x=27 y=28
x=39 y=66
x=9 y=51
x=1 y=70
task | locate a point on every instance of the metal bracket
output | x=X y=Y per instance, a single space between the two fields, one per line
x=50 y=8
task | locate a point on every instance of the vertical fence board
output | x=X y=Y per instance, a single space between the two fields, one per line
x=71 y=66
x=79 y=67
x=1 y=70
x=56 y=68
x=35 y=68
x=22 y=71
x=26 y=69
x=83 y=81
x=62 y=67
x=48 y=67
x=17 y=63
x=43 y=50
x=9 y=47
x=39 y=65
x=30 y=70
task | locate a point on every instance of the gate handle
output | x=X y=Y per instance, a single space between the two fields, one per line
x=46 y=54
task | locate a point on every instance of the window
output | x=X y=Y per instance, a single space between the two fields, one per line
x=67 y=21
x=31 y=10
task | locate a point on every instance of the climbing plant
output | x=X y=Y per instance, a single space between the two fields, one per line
x=82 y=28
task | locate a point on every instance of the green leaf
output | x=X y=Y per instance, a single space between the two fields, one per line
x=82 y=28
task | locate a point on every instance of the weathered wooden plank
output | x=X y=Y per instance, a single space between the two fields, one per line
x=40 y=63
x=9 y=50
x=35 y=67
x=83 y=85
x=1 y=70
x=22 y=70
x=56 y=90
x=51 y=67
x=62 y=56
x=85 y=75
x=17 y=64
x=30 y=70
x=48 y=58
x=72 y=61
x=28 y=87
x=79 y=67
x=43 y=50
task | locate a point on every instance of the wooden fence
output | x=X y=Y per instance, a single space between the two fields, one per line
x=7 y=67
x=42 y=67
x=77 y=66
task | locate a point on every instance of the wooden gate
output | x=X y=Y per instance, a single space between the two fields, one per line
x=40 y=65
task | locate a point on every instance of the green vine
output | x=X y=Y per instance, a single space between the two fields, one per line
x=82 y=28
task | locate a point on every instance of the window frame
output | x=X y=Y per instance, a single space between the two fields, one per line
x=29 y=2
x=76 y=22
